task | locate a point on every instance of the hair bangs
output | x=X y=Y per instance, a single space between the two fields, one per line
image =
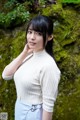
x=38 y=26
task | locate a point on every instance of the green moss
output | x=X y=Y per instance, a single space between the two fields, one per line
x=52 y=10
x=67 y=105
x=10 y=47
x=18 y=43
x=61 y=55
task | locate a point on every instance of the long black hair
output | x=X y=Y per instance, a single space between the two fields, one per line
x=44 y=25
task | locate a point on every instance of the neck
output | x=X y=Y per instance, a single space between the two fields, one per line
x=39 y=53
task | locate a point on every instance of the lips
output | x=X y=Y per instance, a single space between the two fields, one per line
x=32 y=43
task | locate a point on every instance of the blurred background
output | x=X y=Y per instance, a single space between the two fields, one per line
x=14 y=16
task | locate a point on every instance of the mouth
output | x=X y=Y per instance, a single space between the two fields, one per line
x=32 y=43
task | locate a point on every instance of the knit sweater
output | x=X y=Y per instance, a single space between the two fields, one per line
x=37 y=80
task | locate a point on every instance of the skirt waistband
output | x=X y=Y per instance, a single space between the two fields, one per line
x=31 y=107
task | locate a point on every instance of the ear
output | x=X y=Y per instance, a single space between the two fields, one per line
x=50 y=37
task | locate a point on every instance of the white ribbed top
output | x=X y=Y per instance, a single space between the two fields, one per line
x=37 y=80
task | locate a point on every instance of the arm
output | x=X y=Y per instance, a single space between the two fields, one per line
x=49 y=78
x=13 y=66
x=47 y=115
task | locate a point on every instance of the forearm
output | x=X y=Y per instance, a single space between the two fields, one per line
x=46 y=115
x=12 y=67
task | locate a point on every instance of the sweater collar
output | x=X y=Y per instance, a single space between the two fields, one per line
x=39 y=53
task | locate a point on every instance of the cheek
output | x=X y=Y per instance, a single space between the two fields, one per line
x=40 y=43
x=27 y=37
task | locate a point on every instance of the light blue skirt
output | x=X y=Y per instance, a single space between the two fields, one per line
x=27 y=112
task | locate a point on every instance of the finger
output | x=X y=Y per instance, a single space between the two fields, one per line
x=27 y=45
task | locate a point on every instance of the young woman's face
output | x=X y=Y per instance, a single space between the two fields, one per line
x=35 y=40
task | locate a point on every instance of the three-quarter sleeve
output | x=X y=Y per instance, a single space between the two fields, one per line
x=49 y=79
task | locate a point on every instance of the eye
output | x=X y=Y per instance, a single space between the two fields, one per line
x=29 y=31
x=39 y=33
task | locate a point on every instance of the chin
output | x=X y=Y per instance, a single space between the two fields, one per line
x=31 y=47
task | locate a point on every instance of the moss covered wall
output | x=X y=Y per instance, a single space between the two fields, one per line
x=66 y=52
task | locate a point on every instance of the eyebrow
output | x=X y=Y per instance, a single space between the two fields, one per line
x=34 y=30
x=30 y=29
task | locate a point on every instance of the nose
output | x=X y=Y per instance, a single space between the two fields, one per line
x=33 y=36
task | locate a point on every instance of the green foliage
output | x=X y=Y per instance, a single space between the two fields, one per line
x=42 y=2
x=52 y=10
x=10 y=4
x=14 y=18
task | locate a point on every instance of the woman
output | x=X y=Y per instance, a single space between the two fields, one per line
x=35 y=73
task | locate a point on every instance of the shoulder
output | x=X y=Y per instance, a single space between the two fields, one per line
x=49 y=63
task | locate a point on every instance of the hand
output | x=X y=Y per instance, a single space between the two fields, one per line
x=27 y=50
